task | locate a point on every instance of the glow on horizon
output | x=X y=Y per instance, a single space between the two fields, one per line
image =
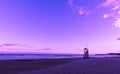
x=63 y=26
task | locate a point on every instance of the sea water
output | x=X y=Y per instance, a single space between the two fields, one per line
x=47 y=56
x=36 y=56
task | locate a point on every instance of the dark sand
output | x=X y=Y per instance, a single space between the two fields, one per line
x=62 y=66
x=17 y=66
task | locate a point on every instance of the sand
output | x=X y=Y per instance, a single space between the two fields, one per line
x=62 y=66
x=17 y=66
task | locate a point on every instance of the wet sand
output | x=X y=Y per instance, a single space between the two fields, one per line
x=62 y=66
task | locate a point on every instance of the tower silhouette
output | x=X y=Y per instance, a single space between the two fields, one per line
x=86 y=53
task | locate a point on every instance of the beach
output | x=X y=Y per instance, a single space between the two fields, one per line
x=109 y=65
x=23 y=65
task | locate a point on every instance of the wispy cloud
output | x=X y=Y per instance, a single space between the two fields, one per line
x=117 y=23
x=107 y=3
x=16 y=46
x=47 y=49
x=9 y=44
x=118 y=38
x=106 y=15
x=114 y=6
x=70 y=2
x=110 y=3
x=81 y=10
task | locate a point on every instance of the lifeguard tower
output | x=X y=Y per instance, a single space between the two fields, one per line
x=86 y=53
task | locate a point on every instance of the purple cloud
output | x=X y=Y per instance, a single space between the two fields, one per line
x=47 y=49
x=81 y=10
x=118 y=38
x=16 y=46
x=112 y=5
x=114 y=12
x=9 y=44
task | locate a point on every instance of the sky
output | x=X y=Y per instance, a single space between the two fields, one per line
x=59 y=26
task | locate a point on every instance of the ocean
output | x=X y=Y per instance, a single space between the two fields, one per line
x=36 y=56
x=47 y=56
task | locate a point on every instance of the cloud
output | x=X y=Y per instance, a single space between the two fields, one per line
x=116 y=7
x=117 y=23
x=9 y=44
x=16 y=46
x=70 y=2
x=119 y=12
x=47 y=49
x=118 y=38
x=105 y=15
x=110 y=3
x=81 y=10
x=114 y=11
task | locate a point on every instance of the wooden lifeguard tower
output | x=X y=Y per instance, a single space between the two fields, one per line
x=86 y=53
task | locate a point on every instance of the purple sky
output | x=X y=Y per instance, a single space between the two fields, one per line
x=62 y=26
